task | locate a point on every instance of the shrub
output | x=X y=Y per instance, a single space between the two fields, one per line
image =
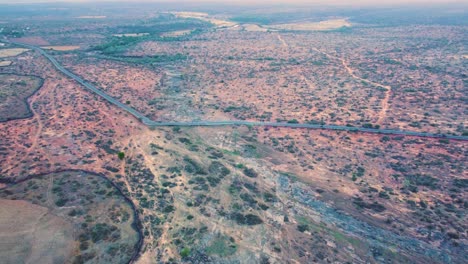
x=193 y=166
x=61 y=202
x=302 y=228
x=121 y=155
x=423 y=180
x=185 y=252
x=101 y=231
x=375 y=206
x=248 y=219
x=250 y=173
x=461 y=183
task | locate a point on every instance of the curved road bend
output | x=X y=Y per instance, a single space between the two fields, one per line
x=145 y=120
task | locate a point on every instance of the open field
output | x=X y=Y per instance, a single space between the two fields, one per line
x=61 y=48
x=317 y=26
x=177 y=33
x=14 y=92
x=68 y=220
x=255 y=28
x=205 y=17
x=5 y=63
x=32 y=234
x=5 y=53
x=40 y=41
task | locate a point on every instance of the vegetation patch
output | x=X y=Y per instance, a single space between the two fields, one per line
x=222 y=246
x=14 y=92
x=247 y=219
x=102 y=219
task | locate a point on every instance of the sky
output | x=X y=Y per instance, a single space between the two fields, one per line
x=313 y=2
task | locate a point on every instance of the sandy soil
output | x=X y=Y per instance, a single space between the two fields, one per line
x=30 y=234
x=5 y=63
x=205 y=17
x=176 y=33
x=61 y=48
x=254 y=28
x=319 y=26
x=4 y=53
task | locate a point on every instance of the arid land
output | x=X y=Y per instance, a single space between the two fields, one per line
x=234 y=194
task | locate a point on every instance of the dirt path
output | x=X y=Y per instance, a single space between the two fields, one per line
x=35 y=137
x=164 y=238
x=388 y=89
x=40 y=127
x=282 y=41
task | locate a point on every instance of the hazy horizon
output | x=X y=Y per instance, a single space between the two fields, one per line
x=255 y=2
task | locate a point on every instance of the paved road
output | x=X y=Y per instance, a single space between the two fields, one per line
x=145 y=120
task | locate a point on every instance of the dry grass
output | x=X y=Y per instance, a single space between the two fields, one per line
x=5 y=53
x=221 y=23
x=203 y=16
x=31 y=234
x=318 y=26
x=254 y=28
x=5 y=63
x=176 y=33
x=61 y=48
x=13 y=93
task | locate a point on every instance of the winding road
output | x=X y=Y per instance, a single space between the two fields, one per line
x=150 y=123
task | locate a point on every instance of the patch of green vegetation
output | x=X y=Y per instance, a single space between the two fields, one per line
x=121 y=155
x=185 y=252
x=222 y=246
x=423 y=180
x=291 y=176
x=461 y=183
x=101 y=217
x=375 y=206
x=304 y=224
x=343 y=29
x=249 y=172
x=359 y=172
x=162 y=24
x=391 y=61
x=247 y=219
x=231 y=152
x=191 y=166
x=253 y=19
x=103 y=231
x=162 y=58
x=153 y=30
x=12 y=32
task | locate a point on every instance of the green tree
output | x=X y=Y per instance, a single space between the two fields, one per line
x=121 y=155
x=185 y=252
